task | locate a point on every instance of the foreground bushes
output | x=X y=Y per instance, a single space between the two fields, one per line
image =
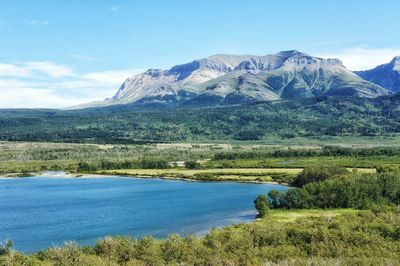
x=365 y=238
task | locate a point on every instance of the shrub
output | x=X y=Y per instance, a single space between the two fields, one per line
x=192 y=165
x=261 y=204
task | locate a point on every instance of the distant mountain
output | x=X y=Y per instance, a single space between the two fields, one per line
x=237 y=79
x=386 y=75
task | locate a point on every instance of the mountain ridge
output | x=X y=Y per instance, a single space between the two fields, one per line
x=385 y=75
x=224 y=79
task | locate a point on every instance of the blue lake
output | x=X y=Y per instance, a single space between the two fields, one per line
x=39 y=212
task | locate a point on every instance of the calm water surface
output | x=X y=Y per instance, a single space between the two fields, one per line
x=39 y=212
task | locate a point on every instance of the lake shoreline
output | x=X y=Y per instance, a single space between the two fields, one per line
x=93 y=206
x=63 y=174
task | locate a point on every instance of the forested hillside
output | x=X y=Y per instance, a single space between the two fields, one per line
x=310 y=118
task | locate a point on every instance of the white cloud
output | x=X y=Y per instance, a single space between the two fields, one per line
x=13 y=70
x=35 y=98
x=44 y=84
x=114 y=8
x=362 y=58
x=36 y=22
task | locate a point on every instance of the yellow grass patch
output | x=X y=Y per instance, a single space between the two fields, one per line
x=192 y=172
x=292 y=215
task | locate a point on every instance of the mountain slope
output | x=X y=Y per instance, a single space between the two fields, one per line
x=238 y=79
x=386 y=75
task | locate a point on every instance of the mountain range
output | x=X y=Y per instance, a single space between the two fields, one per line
x=238 y=79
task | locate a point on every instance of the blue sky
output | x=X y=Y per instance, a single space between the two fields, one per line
x=57 y=53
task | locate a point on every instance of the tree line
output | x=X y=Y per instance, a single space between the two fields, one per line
x=336 y=151
x=309 y=118
x=145 y=163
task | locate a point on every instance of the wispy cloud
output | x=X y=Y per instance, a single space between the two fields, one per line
x=362 y=58
x=114 y=8
x=34 y=69
x=47 y=84
x=36 y=22
x=51 y=69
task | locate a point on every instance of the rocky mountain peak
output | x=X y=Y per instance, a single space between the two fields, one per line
x=396 y=58
x=155 y=73
x=291 y=58
x=290 y=53
x=221 y=63
x=185 y=70
x=396 y=63
x=299 y=58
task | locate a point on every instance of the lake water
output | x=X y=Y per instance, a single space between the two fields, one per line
x=39 y=212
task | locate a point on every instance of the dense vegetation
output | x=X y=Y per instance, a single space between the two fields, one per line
x=357 y=191
x=311 y=118
x=354 y=238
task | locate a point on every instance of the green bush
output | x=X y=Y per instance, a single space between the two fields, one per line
x=261 y=204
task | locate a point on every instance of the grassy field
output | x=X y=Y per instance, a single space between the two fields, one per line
x=290 y=162
x=280 y=175
x=244 y=175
